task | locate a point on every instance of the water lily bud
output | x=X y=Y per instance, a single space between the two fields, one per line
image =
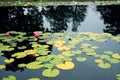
x=7 y=34
x=36 y=34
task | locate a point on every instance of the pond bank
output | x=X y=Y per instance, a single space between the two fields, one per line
x=41 y=3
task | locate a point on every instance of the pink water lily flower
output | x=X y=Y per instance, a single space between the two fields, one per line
x=36 y=34
x=7 y=34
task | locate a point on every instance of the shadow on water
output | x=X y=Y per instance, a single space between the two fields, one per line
x=29 y=19
x=111 y=17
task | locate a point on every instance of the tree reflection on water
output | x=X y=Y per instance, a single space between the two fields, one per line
x=111 y=17
x=29 y=19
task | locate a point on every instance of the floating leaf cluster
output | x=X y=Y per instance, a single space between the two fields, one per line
x=69 y=46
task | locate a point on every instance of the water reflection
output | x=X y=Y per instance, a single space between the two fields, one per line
x=29 y=19
x=111 y=17
x=14 y=18
x=60 y=16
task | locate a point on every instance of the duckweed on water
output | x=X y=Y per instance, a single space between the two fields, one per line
x=67 y=45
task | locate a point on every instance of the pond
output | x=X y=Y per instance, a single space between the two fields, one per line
x=60 y=42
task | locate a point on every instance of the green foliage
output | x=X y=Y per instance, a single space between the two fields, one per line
x=50 y=72
x=10 y=77
x=81 y=59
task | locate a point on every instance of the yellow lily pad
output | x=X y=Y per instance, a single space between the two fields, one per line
x=65 y=66
x=34 y=79
x=2 y=66
x=99 y=61
x=117 y=56
x=9 y=60
x=50 y=72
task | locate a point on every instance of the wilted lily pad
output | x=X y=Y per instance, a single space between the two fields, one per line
x=50 y=72
x=65 y=66
x=34 y=65
x=81 y=59
x=2 y=66
x=34 y=79
x=9 y=60
x=104 y=65
x=10 y=77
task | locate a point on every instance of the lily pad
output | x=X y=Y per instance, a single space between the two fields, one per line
x=49 y=66
x=43 y=58
x=117 y=56
x=65 y=66
x=104 y=65
x=50 y=72
x=81 y=59
x=10 y=77
x=117 y=76
x=9 y=60
x=34 y=65
x=56 y=61
x=34 y=79
x=91 y=54
x=19 y=55
x=2 y=66
x=88 y=50
x=112 y=60
x=22 y=65
x=99 y=61
x=108 y=52
x=105 y=57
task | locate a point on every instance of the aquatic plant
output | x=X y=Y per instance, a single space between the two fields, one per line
x=65 y=66
x=34 y=79
x=117 y=76
x=7 y=34
x=10 y=77
x=50 y=72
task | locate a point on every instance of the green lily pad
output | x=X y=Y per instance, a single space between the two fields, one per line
x=67 y=53
x=76 y=51
x=81 y=59
x=34 y=65
x=88 y=50
x=117 y=76
x=112 y=60
x=22 y=65
x=2 y=66
x=22 y=47
x=56 y=61
x=105 y=57
x=43 y=58
x=9 y=60
x=104 y=65
x=19 y=55
x=49 y=66
x=50 y=72
x=10 y=77
x=108 y=52
x=34 y=79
